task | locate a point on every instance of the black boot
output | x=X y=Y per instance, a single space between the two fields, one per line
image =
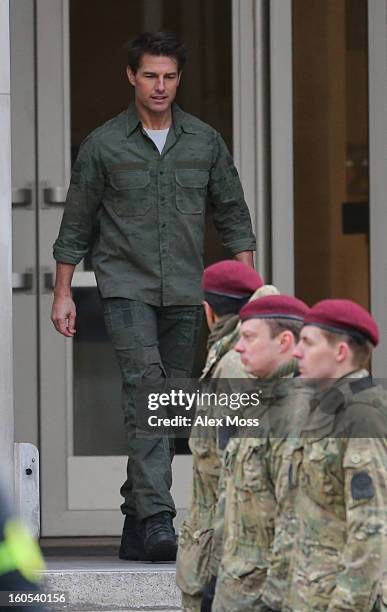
x=159 y=538
x=132 y=542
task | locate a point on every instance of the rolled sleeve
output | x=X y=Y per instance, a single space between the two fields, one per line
x=230 y=212
x=83 y=200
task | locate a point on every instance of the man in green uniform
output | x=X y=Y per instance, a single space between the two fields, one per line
x=137 y=199
x=227 y=286
x=269 y=332
x=339 y=470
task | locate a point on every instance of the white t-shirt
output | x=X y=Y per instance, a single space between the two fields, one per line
x=159 y=137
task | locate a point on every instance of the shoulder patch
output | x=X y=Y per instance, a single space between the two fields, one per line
x=362 y=486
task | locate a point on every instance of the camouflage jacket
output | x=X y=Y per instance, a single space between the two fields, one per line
x=197 y=548
x=257 y=505
x=339 y=472
x=195 y=536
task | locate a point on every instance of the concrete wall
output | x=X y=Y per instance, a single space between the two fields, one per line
x=6 y=383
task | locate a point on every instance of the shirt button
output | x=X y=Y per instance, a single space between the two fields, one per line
x=163 y=225
x=356 y=458
x=161 y=172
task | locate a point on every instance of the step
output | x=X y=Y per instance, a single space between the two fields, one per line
x=95 y=584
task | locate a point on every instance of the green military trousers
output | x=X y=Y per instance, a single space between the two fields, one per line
x=151 y=343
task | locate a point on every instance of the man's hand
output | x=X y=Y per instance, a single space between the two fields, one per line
x=63 y=315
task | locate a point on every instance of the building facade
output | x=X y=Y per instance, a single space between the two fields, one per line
x=298 y=90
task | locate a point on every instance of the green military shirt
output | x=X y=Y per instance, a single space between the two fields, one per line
x=142 y=213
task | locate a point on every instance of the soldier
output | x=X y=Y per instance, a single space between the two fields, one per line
x=227 y=286
x=253 y=465
x=339 y=469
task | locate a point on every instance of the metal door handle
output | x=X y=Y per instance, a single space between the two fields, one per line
x=21 y=197
x=22 y=281
x=48 y=281
x=55 y=196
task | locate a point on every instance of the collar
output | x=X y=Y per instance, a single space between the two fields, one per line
x=331 y=399
x=286 y=370
x=224 y=326
x=180 y=120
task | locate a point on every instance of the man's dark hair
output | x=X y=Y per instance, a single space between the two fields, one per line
x=156 y=43
x=224 y=304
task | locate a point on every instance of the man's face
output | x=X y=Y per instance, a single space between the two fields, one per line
x=155 y=82
x=259 y=352
x=316 y=357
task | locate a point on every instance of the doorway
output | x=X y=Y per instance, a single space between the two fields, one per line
x=68 y=76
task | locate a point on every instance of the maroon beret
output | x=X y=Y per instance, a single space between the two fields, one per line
x=274 y=307
x=231 y=279
x=344 y=317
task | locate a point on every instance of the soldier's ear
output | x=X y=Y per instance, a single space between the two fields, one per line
x=286 y=341
x=342 y=352
x=210 y=315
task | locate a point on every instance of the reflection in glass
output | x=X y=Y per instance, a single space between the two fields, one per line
x=330 y=96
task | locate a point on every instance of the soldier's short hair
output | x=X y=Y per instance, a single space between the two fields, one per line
x=277 y=326
x=361 y=348
x=223 y=304
x=156 y=43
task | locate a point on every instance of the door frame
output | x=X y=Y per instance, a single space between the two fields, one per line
x=281 y=109
x=377 y=71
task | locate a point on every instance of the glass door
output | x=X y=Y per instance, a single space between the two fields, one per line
x=75 y=82
x=331 y=143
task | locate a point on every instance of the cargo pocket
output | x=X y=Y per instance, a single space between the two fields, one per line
x=256 y=509
x=191 y=190
x=255 y=503
x=131 y=192
x=322 y=583
x=193 y=557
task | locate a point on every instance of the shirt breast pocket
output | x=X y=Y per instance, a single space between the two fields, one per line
x=131 y=192
x=321 y=472
x=191 y=190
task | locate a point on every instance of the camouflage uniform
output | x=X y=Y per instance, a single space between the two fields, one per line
x=195 y=537
x=283 y=439
x=341 y=498
x=194 y=556
x=255 y=488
